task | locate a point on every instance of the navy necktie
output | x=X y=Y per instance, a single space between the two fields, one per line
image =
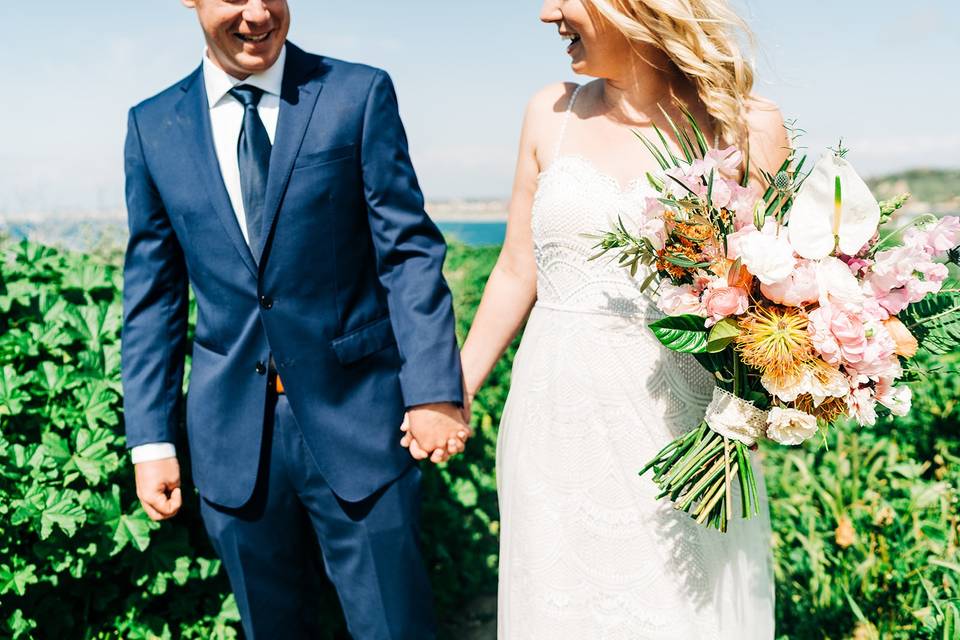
x=253 y=152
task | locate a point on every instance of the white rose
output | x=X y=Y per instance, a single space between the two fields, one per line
x=789 y=426
x=767 y=254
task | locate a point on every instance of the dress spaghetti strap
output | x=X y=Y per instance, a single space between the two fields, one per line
x=566 y=119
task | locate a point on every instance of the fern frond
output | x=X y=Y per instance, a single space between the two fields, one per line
x=935 y=320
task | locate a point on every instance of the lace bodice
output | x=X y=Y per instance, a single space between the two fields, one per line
x=574 y=199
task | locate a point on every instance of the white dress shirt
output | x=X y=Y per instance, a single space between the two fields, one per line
x=226 y=121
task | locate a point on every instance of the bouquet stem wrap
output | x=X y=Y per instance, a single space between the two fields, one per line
x=735 y=418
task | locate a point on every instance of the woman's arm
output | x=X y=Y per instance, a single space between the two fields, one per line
x=511 y=289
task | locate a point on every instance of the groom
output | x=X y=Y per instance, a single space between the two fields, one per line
x=278 y=184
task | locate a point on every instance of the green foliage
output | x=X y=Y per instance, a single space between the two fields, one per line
x=935 y=320
x=866 y=525
x=78 y=557
x=685 y=334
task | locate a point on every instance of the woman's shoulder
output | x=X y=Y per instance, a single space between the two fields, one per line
x=552 y=99
x=762 y=114
x=769 y=142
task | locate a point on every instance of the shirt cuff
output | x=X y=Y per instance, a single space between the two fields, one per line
x=153 y=451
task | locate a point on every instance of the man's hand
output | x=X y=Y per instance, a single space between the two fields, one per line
x=158 y=487
x=435 y=431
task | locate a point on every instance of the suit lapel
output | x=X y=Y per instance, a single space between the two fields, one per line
x=193 y=115
x=298 y=97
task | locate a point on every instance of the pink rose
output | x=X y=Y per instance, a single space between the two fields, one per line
x=798 y=289
x=837 y=335
x=879 y=358
x=723 y=301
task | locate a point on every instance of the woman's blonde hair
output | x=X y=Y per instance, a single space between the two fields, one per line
x=700 y=37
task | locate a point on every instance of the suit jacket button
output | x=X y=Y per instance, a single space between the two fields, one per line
x=266 y=302
x=261 y=368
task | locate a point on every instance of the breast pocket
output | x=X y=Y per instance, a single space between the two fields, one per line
x=326 y=156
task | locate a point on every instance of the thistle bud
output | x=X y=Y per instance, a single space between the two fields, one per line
x=783 y=182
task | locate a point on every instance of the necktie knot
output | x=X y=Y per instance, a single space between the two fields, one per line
x=247 y=95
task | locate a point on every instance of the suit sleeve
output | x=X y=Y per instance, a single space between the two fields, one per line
x=410 y=253
x=155 y=307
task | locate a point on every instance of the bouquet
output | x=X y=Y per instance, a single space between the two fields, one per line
x=802 y=308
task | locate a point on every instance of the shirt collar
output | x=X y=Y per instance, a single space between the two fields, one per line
x=218 y=82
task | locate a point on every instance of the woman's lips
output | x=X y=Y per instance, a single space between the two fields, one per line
x=574 y=40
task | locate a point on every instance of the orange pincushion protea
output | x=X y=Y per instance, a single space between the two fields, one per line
x=774 y=340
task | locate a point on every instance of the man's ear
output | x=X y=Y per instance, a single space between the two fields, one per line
x=189 y=4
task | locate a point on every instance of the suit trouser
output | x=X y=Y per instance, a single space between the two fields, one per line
x=370 y=548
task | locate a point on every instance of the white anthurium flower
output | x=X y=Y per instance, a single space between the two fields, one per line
x=833 y=211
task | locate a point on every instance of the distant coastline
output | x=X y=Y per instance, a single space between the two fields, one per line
x=475 y=220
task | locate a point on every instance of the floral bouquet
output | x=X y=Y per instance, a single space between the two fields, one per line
x=804 y=311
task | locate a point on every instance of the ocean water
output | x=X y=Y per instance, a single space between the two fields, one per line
x=81 y=236
x=476 y=234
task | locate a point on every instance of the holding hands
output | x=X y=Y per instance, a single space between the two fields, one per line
x=436 y=431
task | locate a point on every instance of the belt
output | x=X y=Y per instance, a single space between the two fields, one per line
x=274 y=376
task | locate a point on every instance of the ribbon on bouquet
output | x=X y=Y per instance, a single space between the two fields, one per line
x=735 y=418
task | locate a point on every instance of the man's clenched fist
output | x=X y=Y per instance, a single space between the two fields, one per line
x=158 y=487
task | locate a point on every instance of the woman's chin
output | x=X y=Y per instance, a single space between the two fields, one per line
x=580 y=67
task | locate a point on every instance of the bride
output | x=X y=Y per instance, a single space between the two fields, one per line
x=586 y=551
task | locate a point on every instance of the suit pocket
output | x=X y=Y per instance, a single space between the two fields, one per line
x=361 y=342
x=325 y=156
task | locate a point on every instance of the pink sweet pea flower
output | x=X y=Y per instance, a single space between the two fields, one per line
x=904 y=275
x=863 y=406
x=938 y=239
x=897 y=399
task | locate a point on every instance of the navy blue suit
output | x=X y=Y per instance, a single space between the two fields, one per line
x=348 y=299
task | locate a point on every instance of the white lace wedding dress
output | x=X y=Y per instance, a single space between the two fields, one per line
x=586 y=552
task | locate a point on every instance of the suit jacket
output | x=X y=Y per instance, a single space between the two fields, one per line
x=348 y=296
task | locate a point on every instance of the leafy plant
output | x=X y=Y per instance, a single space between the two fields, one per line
x=866 y=526
x=78 y=556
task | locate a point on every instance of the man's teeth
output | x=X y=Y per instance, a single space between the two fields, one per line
x=259 y=38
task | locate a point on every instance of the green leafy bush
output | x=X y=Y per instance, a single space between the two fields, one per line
x=868 y=524
x=866 y=530
x=78 y=557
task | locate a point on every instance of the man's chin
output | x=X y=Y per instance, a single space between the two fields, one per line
x=255 y=63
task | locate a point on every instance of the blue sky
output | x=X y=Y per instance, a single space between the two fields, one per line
x=881 y=73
